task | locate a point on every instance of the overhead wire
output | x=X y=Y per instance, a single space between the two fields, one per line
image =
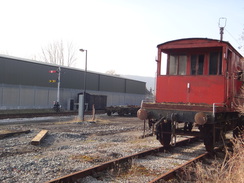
x=240 y=46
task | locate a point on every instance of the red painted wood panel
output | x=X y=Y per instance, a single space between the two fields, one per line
x=202 y=89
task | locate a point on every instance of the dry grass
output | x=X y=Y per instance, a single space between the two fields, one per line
x=87 y=119
x=81 y=157
x=232 y=169
x=134 y=171
x=65 y=122
x=239 y=101
x=130 y=172
x=229 y=170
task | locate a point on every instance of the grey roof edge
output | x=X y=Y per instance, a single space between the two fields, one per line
x=56 y=65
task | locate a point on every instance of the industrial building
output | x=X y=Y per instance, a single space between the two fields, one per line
x=24 y=84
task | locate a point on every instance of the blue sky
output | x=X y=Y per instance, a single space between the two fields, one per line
x=120 y=35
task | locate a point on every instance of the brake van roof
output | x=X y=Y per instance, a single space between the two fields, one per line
x=194 y=43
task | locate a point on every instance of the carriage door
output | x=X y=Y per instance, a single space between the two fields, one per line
x=197 y=69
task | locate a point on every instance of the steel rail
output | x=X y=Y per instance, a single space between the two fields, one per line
x=44 y=114
x=32 y=115
x=114 y=163
x=171 y=174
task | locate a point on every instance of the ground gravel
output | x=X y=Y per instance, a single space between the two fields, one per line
x=70 y=146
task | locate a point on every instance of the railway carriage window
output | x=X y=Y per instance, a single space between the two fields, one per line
x=163 y=70
x=182 y=65
x=197 y=64
x=215 y=63
x=177 y=64
x=172 y=65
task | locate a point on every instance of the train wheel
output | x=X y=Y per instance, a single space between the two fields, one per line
x=109 y=113
x=163 y=132
x=121 y=113
x=207 y=135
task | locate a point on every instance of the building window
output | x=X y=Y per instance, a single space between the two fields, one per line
x=215 y=63
x=197 y=64
x=177 y=64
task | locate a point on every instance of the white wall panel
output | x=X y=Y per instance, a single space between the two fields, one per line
x=11 y=96
x=28 y=97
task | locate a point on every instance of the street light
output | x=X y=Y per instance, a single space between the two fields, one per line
x=82 y=50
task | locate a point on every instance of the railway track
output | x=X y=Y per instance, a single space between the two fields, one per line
x=172 y=173
x=45 y=114
x=122 y=165
x=32 y=115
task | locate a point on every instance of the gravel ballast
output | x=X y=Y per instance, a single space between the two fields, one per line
x=70 y=146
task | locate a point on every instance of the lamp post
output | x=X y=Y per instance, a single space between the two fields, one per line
x=222 y=24
x=82 y=115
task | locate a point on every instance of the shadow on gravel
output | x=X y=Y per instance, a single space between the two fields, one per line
x=51 y=139
x=48 y=141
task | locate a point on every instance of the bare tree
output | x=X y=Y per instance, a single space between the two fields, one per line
x=71 y=54
x=240 y=68
x=112 y=72
x=57 y=53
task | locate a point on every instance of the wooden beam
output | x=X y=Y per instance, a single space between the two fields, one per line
x=7 y=133
x=39 y=137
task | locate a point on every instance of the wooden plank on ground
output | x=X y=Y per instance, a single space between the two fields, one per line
x=7 y=133
x=39 y=137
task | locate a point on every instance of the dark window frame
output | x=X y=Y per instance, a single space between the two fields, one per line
x=215 y=65
x=197 y=68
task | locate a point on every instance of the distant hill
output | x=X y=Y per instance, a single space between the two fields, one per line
x=150 y=81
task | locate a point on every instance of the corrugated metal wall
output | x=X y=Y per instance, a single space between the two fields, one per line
x=18 y=72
